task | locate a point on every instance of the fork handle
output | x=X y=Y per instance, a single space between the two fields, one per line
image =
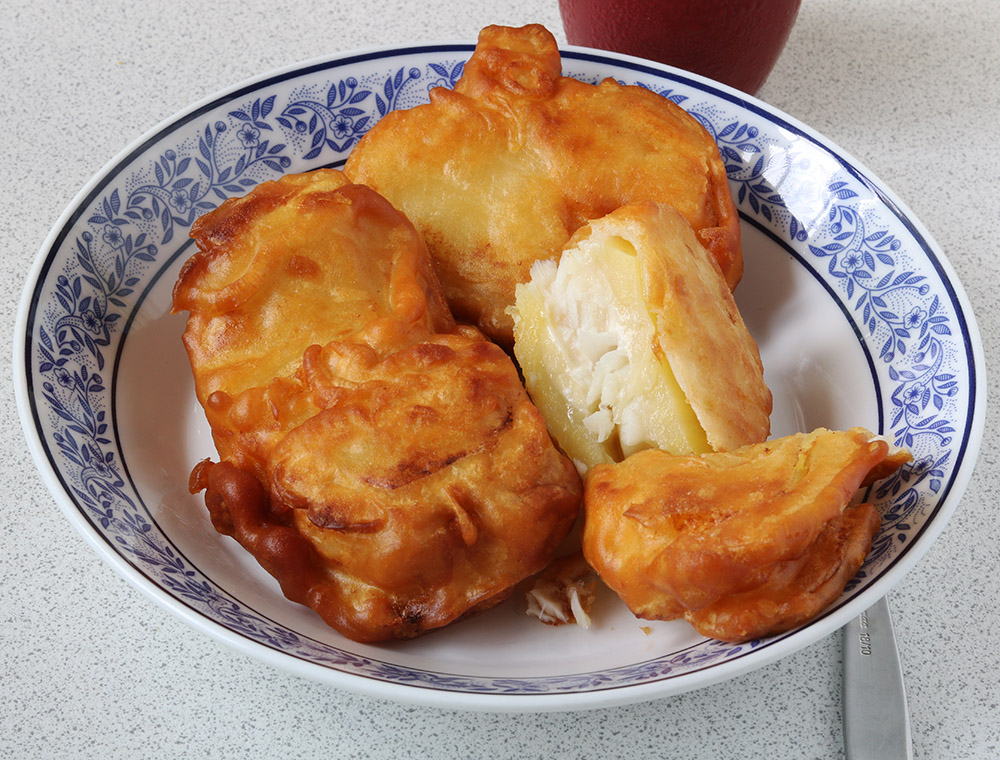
x=876 y=720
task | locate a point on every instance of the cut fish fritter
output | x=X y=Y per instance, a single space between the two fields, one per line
x=633 y=341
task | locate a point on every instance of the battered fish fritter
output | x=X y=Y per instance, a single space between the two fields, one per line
x=384 y=465
x=501 y=171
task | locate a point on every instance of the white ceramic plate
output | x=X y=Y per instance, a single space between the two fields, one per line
x=858 y=315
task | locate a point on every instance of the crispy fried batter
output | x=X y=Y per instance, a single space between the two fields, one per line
x=634 y=341
x=796 y=590
x=383 y=464
x=743 y=544
x=504 y=169
x=298 y=262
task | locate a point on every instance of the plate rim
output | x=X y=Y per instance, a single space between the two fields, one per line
x=520 y=702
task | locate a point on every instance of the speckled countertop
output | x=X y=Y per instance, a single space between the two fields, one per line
x=93 y=669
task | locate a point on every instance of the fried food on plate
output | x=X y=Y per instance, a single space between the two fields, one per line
x=742 y=544
x=633 y=341
x=501 y=171
x=384 y=465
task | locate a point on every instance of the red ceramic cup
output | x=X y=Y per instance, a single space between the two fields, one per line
x=732 y=41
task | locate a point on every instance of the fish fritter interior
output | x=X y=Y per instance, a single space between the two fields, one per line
x=633 y=341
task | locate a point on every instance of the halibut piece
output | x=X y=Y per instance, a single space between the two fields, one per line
x=634 y=341
x=501 y=171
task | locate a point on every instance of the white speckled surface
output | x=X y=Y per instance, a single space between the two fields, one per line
x=91 y=668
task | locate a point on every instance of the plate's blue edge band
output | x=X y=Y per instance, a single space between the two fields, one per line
x=468 y=47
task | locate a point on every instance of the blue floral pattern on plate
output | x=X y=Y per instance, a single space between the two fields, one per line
x=887 y=277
